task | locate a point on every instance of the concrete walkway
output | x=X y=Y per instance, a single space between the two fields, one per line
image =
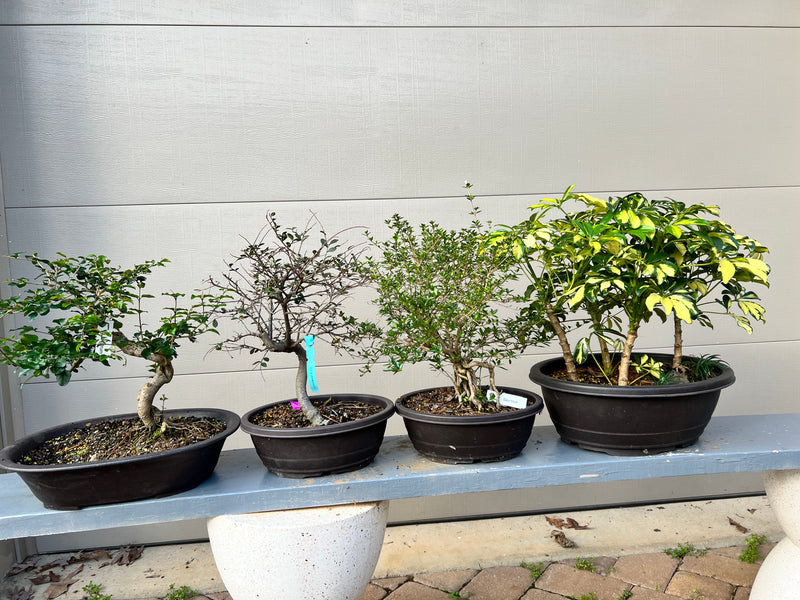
x=618 y=555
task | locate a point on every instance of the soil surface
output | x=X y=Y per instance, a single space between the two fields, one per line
x=590 y=373
x=443 y=401
x=104 y=440
x=335 y=410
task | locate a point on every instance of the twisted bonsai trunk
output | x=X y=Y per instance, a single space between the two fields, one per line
x=300 y=383
x=162 y=376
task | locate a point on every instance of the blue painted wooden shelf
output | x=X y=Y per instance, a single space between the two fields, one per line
x=240 y=483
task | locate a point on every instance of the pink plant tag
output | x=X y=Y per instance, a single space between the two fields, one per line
x=295 y=404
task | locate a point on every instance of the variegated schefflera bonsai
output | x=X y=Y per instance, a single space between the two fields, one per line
x=83 y=309
x=612 y=265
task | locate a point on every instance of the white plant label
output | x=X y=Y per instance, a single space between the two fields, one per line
x=513 y=401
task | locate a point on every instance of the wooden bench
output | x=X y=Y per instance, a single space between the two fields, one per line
x=240 y=483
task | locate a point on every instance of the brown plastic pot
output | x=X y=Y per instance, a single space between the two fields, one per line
x=314 y=451
x=452 y=439
x=69 y=487
x=629 y=420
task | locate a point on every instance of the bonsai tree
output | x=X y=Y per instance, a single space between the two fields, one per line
x=614 y=264
x=442 y=298
x=282 y=287
x=84 y=309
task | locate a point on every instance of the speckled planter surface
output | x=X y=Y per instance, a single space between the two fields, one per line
x=325 y=553
x=779 y=576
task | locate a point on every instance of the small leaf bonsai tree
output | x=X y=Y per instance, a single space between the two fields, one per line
x=444 y=299
x=83 y=308
x=284 y=286
x=612 y=265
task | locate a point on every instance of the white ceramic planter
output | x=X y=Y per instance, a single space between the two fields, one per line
x=779 y=576
x=326 y=553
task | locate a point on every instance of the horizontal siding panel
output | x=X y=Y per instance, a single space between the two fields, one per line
x=151 y=115
x=406 y=13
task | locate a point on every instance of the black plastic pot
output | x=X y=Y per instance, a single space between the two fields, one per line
x=68 y=487
x=629 y=420
x=323 y=450
x=473 y=438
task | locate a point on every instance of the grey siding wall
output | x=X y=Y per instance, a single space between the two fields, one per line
x=142 y=130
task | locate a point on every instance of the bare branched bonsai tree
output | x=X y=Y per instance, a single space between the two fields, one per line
x=78 y=309
x=282 y=287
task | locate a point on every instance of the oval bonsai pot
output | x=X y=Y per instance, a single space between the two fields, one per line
x=326 y=449
x=629 y=420
x=73 y=486
x=456 y=439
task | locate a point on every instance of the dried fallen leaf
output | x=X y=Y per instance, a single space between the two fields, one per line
x=57 y=589
x=555 y=522
x=741 y=528
x=573 y=524
x=561 y=539
x=125 y=556
x=48 y=577
x=18 y=568
x=64 y=561
x=88 y=556
x=21 y=594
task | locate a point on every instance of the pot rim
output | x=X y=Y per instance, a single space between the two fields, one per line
x=539 y=374
x=321 y=430
x=231 y=419
x=522 y=413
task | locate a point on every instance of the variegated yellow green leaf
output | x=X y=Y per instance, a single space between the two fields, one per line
x=752 y=308
x=582 y=351
x=577 y=297
x=529 y=241
x=743 y=323
x=758 y=268
x=726 y=270
x=593 y=201
x=652 y=300
x=634 y=219
x=668 y=270
x=674 y=231
x=683 y=308
x=668 y=304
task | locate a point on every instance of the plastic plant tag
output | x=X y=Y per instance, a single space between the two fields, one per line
x=513 y=401
x=310 y=366
x=491 y=396
x=295 y=404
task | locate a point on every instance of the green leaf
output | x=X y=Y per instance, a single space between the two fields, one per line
x=63 y=377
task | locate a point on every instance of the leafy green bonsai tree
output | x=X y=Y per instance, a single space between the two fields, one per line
x=283 y=287
x=444 y=299
x=612 y=265
x=82 y=309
